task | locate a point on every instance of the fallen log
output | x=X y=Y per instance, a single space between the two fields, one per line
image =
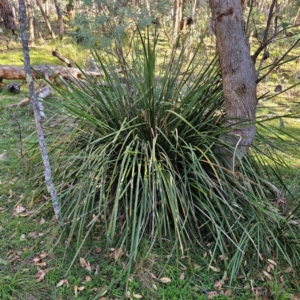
x=48 y=72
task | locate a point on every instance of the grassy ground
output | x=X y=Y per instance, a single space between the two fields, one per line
x=31 y=268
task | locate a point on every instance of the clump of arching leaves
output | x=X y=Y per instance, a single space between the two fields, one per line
x=140 y=158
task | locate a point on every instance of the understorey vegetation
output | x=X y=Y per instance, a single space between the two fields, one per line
x=138 y=162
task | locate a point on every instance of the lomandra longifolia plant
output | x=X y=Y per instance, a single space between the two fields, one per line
x=139 y=161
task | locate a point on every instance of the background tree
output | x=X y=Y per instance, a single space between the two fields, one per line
x=178 y=18
x=238 y=75
x=7 y=14
x=30 y=22
x=60 y=19
x=46 y=19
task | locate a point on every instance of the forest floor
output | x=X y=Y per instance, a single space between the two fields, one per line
x=32 y=268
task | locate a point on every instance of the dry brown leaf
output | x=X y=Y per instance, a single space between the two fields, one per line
x=288 y=270
x=19 y=209
x=36 y=259
x=43 y=255
x=154 y=286
x=165 y=280
x=33 y=234
x=281 y=278
x=41 y=264
x=42 y=221
x=88 y=267
x=81 y=288
x=271 y=261
x=82 y=262
x=268 y=275
x=40 y=275
x=295 y=297
x=75 y=290
x=26 y=214
x=138 y=296
x=153 y=276
x=212 y=294
x=214 y=269
x=228 y=293
x=181 y=277
x=117 y=254
x=223 y=257
x=87 y=278
x=12 y=257
x=85 y=264
x=218 y=284
x=22 y=237
x=60 y=283
x=98 y=249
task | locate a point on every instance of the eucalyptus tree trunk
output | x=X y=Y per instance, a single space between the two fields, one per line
x=30 y=22
x=46 y=19
x=238 y=77
x=8 y=16
x=60 y=19
x=178 y=20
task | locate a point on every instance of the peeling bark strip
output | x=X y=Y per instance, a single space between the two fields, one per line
x=45 y=71
x=238 y=77
x=47 y=168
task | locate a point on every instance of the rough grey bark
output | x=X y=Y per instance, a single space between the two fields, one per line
x=178 y=21
x=8 y=16
x=47 y=168
x=60 y=19
x=30 y=22
x=238 y=77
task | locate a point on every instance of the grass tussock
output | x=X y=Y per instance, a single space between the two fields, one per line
x=140 y=160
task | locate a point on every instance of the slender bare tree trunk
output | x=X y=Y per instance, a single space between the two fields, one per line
x=46 y=19
x=60 y=19
x=47 y=168
x=30 y=23
x=238 y=76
